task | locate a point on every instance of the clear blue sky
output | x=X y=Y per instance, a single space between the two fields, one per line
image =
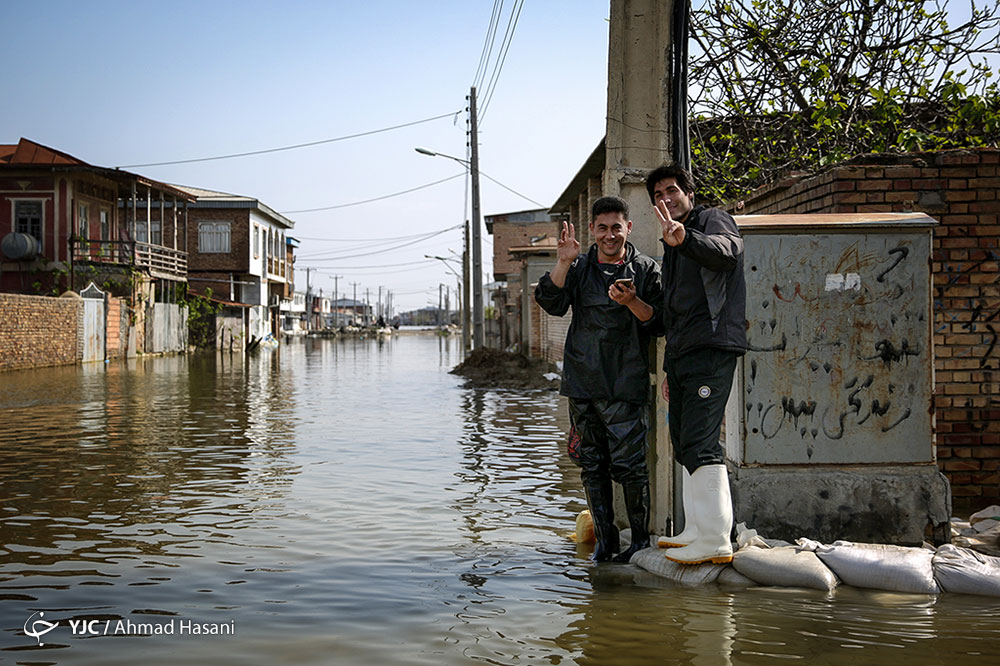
x=123 y=83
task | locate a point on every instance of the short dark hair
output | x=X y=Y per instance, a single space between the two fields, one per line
x=609 y=205
x=679 y=174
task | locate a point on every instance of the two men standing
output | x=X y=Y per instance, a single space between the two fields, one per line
x=699 y=304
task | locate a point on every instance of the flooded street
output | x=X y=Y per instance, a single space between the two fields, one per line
x=348 y=502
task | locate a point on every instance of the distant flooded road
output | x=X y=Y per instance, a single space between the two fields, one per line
x=348 y=502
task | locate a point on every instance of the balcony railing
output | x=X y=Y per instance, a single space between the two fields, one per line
x=161 y=262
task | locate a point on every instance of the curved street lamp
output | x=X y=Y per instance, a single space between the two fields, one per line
x=477 y=257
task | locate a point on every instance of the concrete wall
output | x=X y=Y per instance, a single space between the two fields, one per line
x=959 y=188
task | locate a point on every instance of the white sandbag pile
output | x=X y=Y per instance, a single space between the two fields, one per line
x=966 y=571
x=814 y=565
x=878 y=566
x=785 y=566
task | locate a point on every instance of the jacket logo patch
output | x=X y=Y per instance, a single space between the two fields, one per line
x=704 y=392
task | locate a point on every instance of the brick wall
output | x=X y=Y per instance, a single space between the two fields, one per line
x=238 y=258
x=507 y=235
x=959 y=189
x=38 y=331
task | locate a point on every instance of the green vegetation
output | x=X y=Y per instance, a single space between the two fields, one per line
x=201 y=318
x=779 y=86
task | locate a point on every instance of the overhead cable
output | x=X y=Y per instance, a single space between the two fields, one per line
x=293 y=147
x=501 y=59
x=491 y=35
x=385 y=196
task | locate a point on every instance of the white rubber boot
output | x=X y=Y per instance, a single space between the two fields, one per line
x=690 y=531
x=713 y=514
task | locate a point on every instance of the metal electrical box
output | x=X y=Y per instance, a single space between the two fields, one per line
x=840 y=367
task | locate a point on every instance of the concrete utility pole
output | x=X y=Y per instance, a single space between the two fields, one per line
x=466 y=340
x=638 y=141
x=477 y=257
x=336 y=296
x=355 y=299
x=309 y=308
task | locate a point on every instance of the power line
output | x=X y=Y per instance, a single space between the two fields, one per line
x=541 y=205
x=501 y=59
x=362 y=240
x=293 y=147
x=491 y=35
x=386 y=196
x=326 y=254
x=388 y=249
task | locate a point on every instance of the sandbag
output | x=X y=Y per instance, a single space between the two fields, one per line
x=652 y=560
x=787 y=566
x=733 y=578
x=879 y=566
x=967 y=571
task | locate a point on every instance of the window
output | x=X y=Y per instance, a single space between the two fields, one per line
x=105 y=226
x=82 y=220
x=213 y=237
x=256 y=240
x=28 y=219
x=157 y=233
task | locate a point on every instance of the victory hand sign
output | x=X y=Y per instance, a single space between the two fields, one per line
x=673 y=231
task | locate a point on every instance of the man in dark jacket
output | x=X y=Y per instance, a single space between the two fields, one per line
x=704 y=313
x=615 y=294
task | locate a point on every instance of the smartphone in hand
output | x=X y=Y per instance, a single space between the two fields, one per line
x=624 y=282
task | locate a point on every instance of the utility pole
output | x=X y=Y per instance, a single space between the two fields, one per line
x=466 y=329
x=477 y=259
x=379 y=302
x=439 y=303
x=368 y=305
x=309 y=309
x=336 y=296
x=355 y=299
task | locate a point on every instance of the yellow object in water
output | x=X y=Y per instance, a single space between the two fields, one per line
x=584 y=528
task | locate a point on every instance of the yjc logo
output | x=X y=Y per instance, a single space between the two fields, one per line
x=39 y=627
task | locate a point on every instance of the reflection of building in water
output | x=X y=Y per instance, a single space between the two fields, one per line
x=95 y=455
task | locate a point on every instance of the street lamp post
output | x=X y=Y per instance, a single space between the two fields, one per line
x=477 y=258
x=463 y=303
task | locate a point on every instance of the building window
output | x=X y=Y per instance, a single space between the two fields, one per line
x=28 y=219
x=105 y=225
x=83 y=220
x=213 y=237
x=156 y=231
x=256 y=240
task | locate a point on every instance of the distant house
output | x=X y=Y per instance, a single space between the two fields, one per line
x=520 y=229
x=240 y=249
x=66 y=214
x=65 y=223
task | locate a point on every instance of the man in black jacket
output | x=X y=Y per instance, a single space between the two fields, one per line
x=704 y=312
x=615 y=293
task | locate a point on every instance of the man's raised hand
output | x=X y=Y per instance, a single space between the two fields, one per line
x=673 y=231
x=568 y=247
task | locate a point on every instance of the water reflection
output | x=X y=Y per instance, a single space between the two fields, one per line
x=349 y=501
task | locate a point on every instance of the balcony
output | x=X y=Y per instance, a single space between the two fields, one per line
x=160 y=261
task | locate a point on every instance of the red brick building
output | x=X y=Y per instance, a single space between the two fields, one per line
x=515 y=230
x=60 y=216
x=958 y=188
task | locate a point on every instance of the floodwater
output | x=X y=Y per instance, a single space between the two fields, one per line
x=348 y=502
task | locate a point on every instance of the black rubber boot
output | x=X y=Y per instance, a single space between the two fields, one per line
x=602 y=511
x=637 y=506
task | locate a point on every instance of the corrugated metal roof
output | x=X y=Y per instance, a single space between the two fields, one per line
x=28 y=154
x=213 y=199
